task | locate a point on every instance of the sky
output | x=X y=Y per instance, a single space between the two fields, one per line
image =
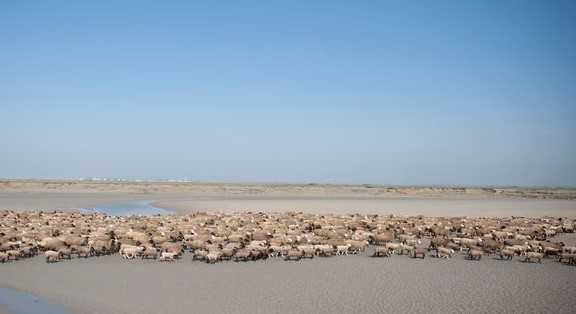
x=358 y=92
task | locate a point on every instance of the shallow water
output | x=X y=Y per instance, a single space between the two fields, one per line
x=18 y=302
x=135 y=207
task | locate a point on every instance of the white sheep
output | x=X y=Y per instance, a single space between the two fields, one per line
x=167 y=256
x=534 y=255
x=443 y=252
x=131 y=252
x=53 y=256
x=213 y=257
x=342 y=249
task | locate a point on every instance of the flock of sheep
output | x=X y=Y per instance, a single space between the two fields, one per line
x=214 y=237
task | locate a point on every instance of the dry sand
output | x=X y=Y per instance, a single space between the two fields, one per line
x=454 y=206
x=322 y=285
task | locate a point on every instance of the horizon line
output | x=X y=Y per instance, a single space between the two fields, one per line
x=367 y=185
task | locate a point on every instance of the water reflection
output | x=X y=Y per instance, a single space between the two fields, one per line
x=18 y=302
x=136 y=207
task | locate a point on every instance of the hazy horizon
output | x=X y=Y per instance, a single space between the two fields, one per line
x=189 y=180
x=373 y=92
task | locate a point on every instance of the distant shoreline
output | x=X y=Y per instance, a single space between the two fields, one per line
x=161 y=187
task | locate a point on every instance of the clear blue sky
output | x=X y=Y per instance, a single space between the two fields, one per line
x=390 y=92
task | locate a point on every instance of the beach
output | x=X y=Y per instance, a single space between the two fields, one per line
x=338 y=284
x=318 y=198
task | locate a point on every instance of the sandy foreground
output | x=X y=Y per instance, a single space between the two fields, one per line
x=341 y=284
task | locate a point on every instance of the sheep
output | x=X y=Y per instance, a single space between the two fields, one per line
x=227 y=253
x=243 y=255
x=199 y=255
x=65 y=253
x=29 y=251
x=102 y=247
x=74 y=240
x=167 y=256
x=475 y=254
x=385 y=237
x=507 y=254
x=551 y=251
x=276 y=251
x=80 y=249
x=534 y=255
x=443 y=252
x=569 y=256
x=124 y=246
x=393 y=247
x=357 y=246
x=381 y=251
x=53 y=256
x=404 y=248
x=307 y=252
x=269 y=235
x=50 y=244
x=412 y=242
x=408 y=239
x=149 y=252
x=213 y=257
x=259 y=254
x=470 y=243
x=15 y=253
x=259 y=243
x=518 y=249
x=419 y=251
x=342 y=249
x=325 y=250
x=4 y=257
x=437 y=242
x=490 y=246
x=293 y=255
x=131 y=252
x=173 y=247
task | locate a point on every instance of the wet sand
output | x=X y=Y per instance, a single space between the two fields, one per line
x=341 y=284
